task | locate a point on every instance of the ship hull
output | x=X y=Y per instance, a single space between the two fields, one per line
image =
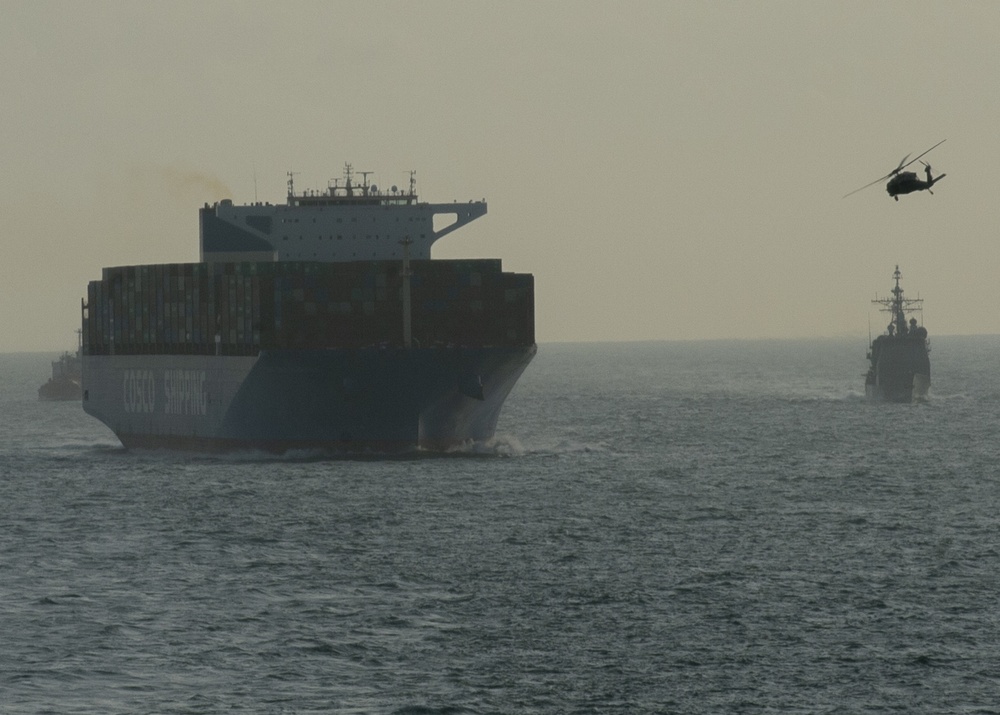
x=60 y=390
x=901 y=372
x=369 y=400
x=917 y=391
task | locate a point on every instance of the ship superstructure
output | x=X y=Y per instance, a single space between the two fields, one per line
x=899 y=367
x=64 y=384
x=348 y=221
x=320 y=323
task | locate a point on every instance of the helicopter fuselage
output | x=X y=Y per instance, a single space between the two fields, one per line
x=906 y=182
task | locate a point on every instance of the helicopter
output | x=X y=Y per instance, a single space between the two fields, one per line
x=906 y=182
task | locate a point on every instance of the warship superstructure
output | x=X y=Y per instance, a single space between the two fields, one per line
x=320 y=323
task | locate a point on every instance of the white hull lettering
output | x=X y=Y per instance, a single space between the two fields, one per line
x=185 y=392
x=139 y=391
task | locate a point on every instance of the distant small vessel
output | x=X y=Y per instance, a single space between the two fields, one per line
x=66 y=379
x=899 y=367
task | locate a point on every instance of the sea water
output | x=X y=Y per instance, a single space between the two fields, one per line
x=719 y=527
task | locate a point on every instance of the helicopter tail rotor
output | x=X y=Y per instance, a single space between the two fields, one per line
x=931 y=179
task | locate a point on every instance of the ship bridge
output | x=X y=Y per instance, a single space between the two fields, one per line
x=345 y=222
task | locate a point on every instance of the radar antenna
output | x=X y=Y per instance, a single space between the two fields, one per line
x=364 y=181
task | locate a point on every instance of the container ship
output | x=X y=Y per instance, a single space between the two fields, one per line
x=899 y=362
x=317 y=324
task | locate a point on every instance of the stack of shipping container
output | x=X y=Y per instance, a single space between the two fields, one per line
x=241 y=308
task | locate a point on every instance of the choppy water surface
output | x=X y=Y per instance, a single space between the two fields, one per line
x=662 y=527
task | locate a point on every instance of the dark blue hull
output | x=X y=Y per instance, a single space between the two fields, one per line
x=370 y=400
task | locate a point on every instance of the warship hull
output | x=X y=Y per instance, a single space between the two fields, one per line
x=367 y=400
x=901 y=374
x=919 y=392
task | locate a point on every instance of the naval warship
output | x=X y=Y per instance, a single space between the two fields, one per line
x=899 y=367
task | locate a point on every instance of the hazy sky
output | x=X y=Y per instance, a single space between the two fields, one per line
x=666 y=170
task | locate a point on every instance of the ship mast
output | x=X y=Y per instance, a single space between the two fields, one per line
x=898 y=305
